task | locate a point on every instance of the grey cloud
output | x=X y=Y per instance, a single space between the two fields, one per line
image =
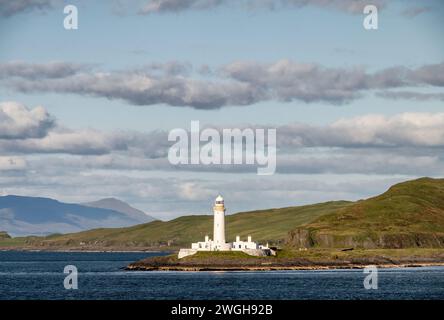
x=91 y=142
x=287 y=81
x=178 y=5
x=35 y=71
x=237 y=84
x=324 y=161
x=412 y=12
x=411 y=95
x=349 y=6
x=378 y=163
x=141 y=88
x=11 y=7
x=432 y=74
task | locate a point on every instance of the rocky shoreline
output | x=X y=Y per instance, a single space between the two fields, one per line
x=226 y=262
x=275 y=268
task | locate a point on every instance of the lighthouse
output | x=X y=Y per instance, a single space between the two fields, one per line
x=218 y=243
x=219 y=223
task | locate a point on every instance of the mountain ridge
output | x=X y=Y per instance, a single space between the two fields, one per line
x=22 y=215
x=115 y=204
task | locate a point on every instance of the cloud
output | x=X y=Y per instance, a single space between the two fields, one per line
x=432 y=74
x=240 y=83
x=369 y=131
x=167 y=195
x=90 y=142
x=12 y=163
x=411 y=95
x=407 y=143
x=24 y=131
x=178 y=5
x=378 y=162
x=12 y=7
x=413 y=12
x=33 y=71
x=86 y=142
x=145 y=86
x=165 y=6
x=18 y=122
x=28 y=131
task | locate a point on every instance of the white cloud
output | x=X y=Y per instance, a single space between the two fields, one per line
x=19 y=122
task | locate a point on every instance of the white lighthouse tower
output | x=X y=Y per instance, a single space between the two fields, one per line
x=219 y=223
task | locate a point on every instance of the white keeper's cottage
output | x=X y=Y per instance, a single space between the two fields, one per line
x=219 y=244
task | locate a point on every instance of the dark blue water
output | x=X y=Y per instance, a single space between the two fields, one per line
x=39 y=275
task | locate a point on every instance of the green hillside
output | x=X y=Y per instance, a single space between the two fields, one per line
x=4 y=235
x=266 y=225
x=409 y=214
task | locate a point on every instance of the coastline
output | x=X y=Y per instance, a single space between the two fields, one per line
x=320 y=259
x=279 y=268
x=286 y=260
x=84 y=250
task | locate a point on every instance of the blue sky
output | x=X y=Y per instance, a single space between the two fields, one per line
x=113 y=38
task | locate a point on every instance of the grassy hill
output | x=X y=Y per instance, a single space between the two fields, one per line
x=270 y=225
x=4 y=235
x=409 y=214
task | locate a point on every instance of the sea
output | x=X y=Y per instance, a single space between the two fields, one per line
x=101 y=276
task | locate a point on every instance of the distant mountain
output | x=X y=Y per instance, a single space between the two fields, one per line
x=409 y=214
x=42 y=216
x=123 y=207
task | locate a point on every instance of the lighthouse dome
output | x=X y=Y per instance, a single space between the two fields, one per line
x=219 y=200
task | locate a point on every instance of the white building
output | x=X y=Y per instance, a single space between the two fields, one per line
x=219 y=243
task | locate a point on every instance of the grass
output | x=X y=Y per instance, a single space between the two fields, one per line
x=408 y=214
x=413 y=206
x=4 y=235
